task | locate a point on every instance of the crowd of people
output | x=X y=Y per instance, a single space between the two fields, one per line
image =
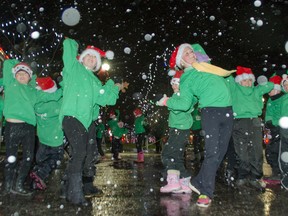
x=223 y=108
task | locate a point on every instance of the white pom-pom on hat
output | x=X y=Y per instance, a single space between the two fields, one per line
x=171 y=72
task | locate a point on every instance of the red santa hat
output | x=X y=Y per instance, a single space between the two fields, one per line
x=176 y=78
x=22 y=67
x=137 y=112
x=243 y=73
x=46 y=84
x=175 y=60
x=277 y=82
x=98 y=53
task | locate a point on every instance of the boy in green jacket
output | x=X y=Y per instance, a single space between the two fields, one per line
x=139 y=123
x=20 y=97
x=50 y=134
x=117 y=131
x=247 y=131
x=83 y=92
x=272 y=116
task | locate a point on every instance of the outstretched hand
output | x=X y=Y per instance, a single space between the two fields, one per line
x=162 y=101
x=123 y=86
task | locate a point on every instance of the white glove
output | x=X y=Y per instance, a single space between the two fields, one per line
x=162 y=101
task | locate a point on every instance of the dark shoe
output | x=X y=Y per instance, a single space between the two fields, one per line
x=89 y=189
x=19 y=187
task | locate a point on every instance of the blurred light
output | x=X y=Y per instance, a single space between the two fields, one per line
x=105 y=67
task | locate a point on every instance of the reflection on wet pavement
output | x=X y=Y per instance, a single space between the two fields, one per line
x=133 y=189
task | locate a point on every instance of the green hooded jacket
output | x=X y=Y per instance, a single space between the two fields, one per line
x=210 y=90
x=49 y=129
x=82 y=90
x=247 y=101
x=139 y=124
x=181 y=120
x=19 y=98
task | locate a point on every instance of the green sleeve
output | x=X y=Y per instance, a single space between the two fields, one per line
x=263 y=89
x=70 y=51
x=110 y=95
x=8 y=77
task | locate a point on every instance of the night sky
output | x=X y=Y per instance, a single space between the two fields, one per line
x=232 y=33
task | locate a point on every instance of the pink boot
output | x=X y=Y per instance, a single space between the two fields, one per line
x=140 y=157
x=173 y=182
x=184 y=182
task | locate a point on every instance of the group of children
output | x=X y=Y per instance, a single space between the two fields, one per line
x=71 y=110
x=230 y=110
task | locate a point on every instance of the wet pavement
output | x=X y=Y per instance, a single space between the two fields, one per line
x=133 y=189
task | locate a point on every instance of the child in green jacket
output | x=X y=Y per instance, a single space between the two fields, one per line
x=50 y=150
x=83 y=93
x=247 y=136
x=139 y=123
x=180 y=122
x=202 y=80
x=272 y=116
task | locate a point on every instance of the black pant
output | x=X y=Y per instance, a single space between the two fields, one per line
x=217 y=124
x=99 y=146
x=115 y=147
x=16 y=133
x=173 y=151
x=140 y=141
x=247 y=138
x=231 y=156
x=83 y=146
x=272 y=149
x=197 y=138
x=47 y=159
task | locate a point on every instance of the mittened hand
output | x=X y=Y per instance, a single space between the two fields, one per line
x=162 y=101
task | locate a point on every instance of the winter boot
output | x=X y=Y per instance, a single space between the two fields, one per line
x=173 y=183
x=89 y=189
x=19 y=186
x=75 y=191
x=9 y=180
x=63 y=187
x=184 y=182
x=140 y=157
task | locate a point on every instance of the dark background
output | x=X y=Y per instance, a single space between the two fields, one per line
x=230 y=39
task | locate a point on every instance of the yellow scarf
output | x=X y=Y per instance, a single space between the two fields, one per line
x=209 y=68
